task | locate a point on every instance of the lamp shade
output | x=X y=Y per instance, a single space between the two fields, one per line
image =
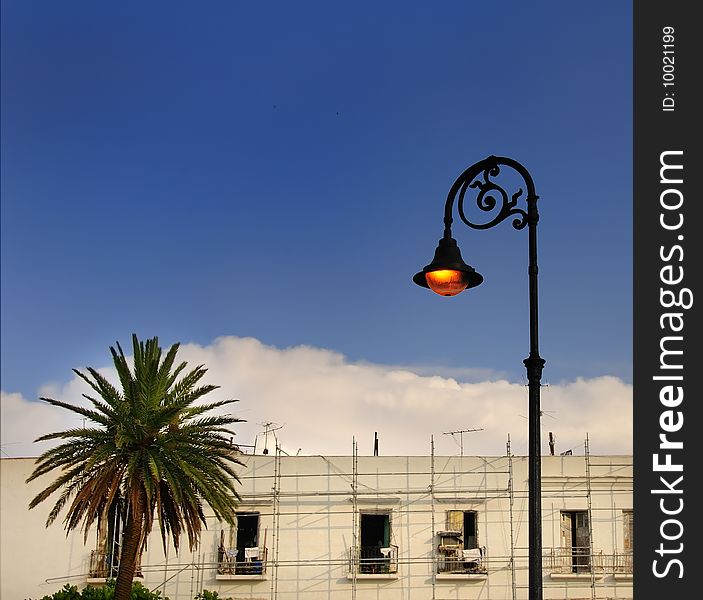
x=448 y=274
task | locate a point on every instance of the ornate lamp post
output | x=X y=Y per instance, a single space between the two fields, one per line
x=448 y=275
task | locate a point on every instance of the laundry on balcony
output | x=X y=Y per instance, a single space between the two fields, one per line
x=472 y=557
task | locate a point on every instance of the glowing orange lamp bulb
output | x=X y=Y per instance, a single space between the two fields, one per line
x=446 y=282
x=448 y=274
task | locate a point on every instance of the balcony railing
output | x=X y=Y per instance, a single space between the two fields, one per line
x=242 y=561
x=102 y=565
x=461 y=561
x=367 y=560
x=621 y=563
x=105 y=565
x=575 y=559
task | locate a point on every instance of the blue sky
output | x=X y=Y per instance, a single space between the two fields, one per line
x=278 y=171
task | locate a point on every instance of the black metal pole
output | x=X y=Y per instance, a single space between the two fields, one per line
x=534 y=364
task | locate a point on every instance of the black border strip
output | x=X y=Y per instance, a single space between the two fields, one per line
x=667 y=117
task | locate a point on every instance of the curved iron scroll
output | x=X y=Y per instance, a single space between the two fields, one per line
x=492 y=197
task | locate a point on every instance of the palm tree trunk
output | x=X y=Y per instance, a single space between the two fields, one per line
x=130 y=549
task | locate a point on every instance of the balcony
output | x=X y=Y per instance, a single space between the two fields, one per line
x=104 y=565
x=373 y=562
x=621 y=566
x=241 y=563
x=460 y=561
x=573 y=563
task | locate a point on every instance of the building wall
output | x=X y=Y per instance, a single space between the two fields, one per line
x=309 y=509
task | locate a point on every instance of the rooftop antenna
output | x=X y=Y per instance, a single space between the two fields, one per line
x=461 y=433
x=269 y=427
x=544 y=413
x=524 y=382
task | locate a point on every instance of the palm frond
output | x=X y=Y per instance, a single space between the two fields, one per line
x=101 y=385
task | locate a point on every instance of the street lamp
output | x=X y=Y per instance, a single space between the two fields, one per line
x=448 y=275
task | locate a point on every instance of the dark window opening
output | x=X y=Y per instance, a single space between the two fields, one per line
x=248 y=558
x=247 y=534
x=465 y=524
x=470 y=532
x=375 y=538
x=576 y=539
x=241 y=555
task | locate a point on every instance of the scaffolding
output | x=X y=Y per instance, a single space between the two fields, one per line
x=434 y=528
x=276 y=520
x=513 y=580
x=590 y=516
x=354 y=557
x=464 y=484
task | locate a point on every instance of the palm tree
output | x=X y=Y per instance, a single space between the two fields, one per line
x=149 y=449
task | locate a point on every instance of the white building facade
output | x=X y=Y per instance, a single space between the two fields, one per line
x=358 y=528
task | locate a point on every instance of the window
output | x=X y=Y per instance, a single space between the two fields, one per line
x=465 y=522
x=628 y=523
x=576 y=541
x=242 y=553
x=376 y=554
x=623 y=558
x=105 y=559
x=458 y=550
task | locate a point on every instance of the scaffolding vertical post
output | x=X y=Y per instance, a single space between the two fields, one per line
x=192 y=572
x=117 y=539
x=166 y=551
x=432 y=532
x=276 y=520
x=590 y=520
x=201 y=568
x=354 y=553
x=511 y=496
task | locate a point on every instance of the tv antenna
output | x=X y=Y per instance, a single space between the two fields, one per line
x=524 y=382
x=461 y=433
x=543 y=413
x=269 y=427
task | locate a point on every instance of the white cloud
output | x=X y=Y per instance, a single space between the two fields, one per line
x=323 y=401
